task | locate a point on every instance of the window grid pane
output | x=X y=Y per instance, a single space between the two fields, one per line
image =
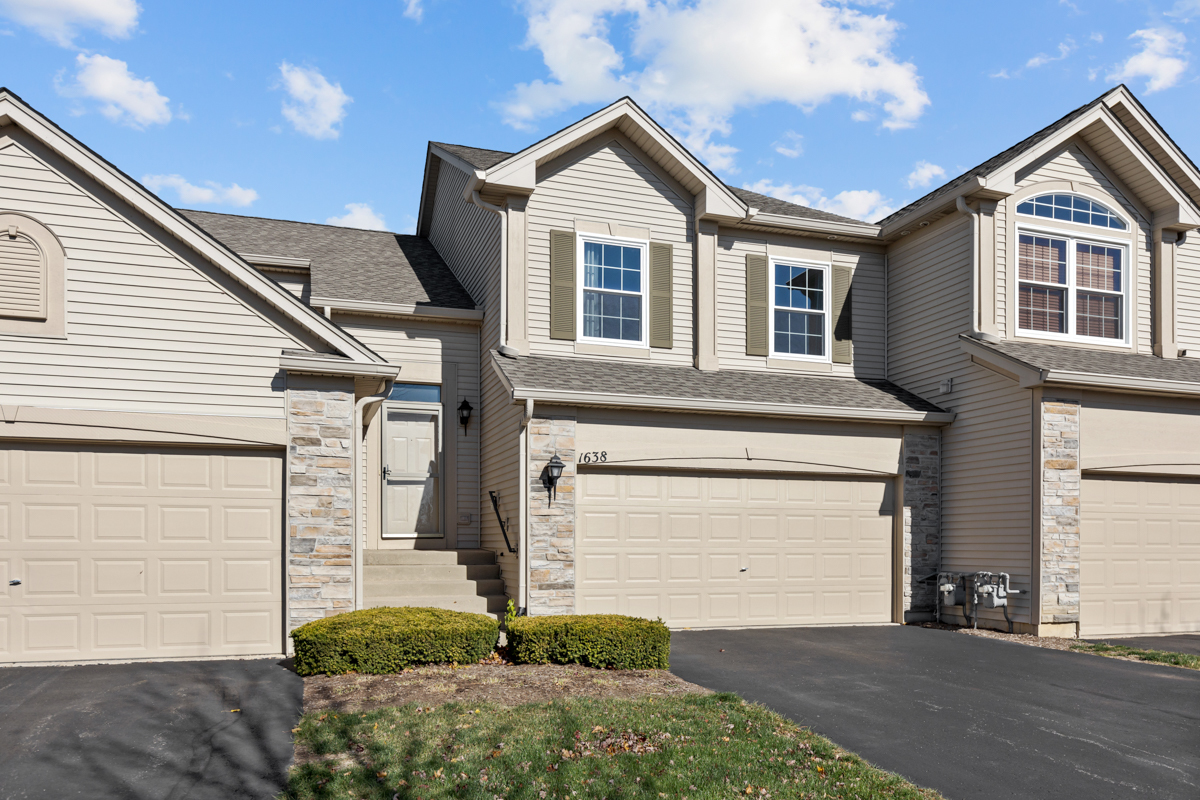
x=1098 y=315
x=612 y=316
x=616 y=312
x=1098 y=267
x=799 y=287
x=1071 y=209
x=1042 y=309
x=1041 y=258
x=799 y=333
x=613 y=267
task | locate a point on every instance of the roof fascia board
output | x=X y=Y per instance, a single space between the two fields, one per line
x=449 y=158
x=970 y=187
x=693 y=405
x=15 y=112
x=863 y=230
x=470 y=315
x=1006 y=176
x=315 y=365
x=276 y=261
x=1123 y=98
x=519 y=171
x=1026 y=375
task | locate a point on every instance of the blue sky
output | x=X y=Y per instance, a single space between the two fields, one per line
x=321 y=111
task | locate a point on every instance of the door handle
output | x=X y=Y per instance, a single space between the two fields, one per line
x=15 y=582
x=387 y=471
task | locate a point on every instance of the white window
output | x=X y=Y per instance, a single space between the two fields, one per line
x=1071 y=208
x=1070 y=287
x=612 y=290
x=801 y=295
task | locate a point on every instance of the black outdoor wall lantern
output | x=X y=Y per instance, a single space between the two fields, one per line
x=554 y=471
x=464 y=414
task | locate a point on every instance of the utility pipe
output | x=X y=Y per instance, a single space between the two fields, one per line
x=357 y=468
x=502 y=340
x=961 y=204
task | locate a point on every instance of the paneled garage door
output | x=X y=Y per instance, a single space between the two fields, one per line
x=713 y=550
x=1139 y=556
x=134 y=553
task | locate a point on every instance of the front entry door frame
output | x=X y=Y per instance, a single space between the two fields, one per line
x=390 y=472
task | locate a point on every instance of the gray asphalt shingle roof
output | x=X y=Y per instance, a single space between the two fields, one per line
x=646 y=380
x=346 y=263
x=995 y=161
x=1098 y=362
x=486 y=159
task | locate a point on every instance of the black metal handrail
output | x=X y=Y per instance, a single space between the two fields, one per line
x=503 y=521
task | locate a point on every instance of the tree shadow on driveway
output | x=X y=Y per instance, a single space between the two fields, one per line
x=162 y=730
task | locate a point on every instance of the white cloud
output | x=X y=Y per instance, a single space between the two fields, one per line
x=60 y=21
x=700 y=63
x=791 y=144
x=1097 y=37
x=359 y=215
x=924 y=173
x=123 y=98
x=1000 y=73
x=1065 y=49
x=318 y=104
x=211 y=193
x=864 y=204
x=1185 y=10
x=413 y=9
x=1162 y=60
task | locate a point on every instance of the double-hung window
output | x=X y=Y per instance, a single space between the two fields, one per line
x=800 y=299
x=613 y=291
x=1071 y=285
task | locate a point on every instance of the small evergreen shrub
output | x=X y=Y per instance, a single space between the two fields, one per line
x=607 y=641
x=385 y=640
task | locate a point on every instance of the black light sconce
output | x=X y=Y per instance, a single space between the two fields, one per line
x=554 y=471
x=464 y=414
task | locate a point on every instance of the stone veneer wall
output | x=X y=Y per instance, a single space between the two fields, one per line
x=922 y=521
x=551 y=525
x=320 y=515
x=1060 y=510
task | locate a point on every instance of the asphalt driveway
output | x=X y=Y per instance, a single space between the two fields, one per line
x=1173 y=643
x=165 y=731
x=969 y=716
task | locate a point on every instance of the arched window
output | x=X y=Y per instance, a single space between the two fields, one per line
x=1071 y=208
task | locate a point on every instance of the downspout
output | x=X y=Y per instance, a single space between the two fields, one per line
x=358 y=467
x=502 y=339
x=523 y=472
x=887 y=321
x=961 y=204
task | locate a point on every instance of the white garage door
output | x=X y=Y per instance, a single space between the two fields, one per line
x=134 y=553
x=712 y=550
x=1139 y=556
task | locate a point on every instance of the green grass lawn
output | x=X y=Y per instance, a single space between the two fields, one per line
x=694 y=746
x=1153 y=656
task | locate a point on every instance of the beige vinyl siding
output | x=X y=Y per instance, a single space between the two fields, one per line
x=296 y=283
x=403 y=340
x=1073 y=165
x=146 y=329
x=1187 y=288
x=610 y=185
x=466 y=236
x=985 y=452
x=868 y=301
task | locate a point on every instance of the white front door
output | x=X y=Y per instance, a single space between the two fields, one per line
x=412 y=474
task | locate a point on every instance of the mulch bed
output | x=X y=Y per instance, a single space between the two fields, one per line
x=495 y=682
x=1048 y=642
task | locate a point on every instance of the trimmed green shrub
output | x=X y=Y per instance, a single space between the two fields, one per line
x=385 y=640
x=608 y=641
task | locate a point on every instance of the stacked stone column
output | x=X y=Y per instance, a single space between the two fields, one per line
x=551 y=524
x=1060 y=486
x=922 y=520
x=320 y=516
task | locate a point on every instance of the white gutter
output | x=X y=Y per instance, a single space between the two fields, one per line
x=523 y=539
x=360 y=533
x=315 y=365
x=961 y=204
x=502 y=341
x=464 y=315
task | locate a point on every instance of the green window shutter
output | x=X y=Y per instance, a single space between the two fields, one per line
x=843 y=331
x=659 y=282
x=757 y=305
x=562 y=285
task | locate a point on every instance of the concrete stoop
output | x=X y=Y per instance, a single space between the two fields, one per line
x=457 y=580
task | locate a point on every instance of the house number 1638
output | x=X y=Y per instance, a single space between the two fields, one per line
x=594 y=458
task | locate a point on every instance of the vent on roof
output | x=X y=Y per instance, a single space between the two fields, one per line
x=22 y=277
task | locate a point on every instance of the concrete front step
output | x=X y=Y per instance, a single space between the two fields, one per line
x=430 y=572
x=429 y=557
x=491 y=604
x=431 y=588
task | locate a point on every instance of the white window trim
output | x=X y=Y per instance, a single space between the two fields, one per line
x=641 y=244
x=827 y=311
x=420 y=408
x=1073 y=237
x=1113 y=209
